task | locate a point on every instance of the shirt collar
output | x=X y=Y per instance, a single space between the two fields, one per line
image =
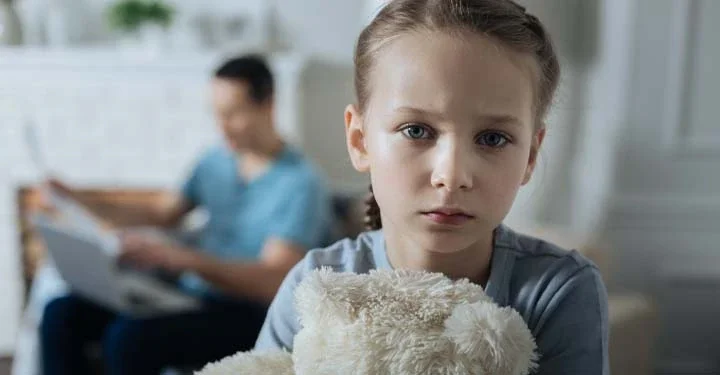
x=500 y=264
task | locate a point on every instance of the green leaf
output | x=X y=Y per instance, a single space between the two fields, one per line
x=129 y=15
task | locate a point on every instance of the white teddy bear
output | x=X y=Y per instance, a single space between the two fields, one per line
x=394 y=322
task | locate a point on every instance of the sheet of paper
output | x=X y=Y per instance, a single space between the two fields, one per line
x=35 y=149
x=74 y=215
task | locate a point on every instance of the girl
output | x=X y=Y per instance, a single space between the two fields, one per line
x=451 y=97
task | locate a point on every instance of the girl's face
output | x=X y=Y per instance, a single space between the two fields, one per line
x=448 y=136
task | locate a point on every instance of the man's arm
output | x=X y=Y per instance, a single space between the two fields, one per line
x=259 y=280
x=302 y=226
x=165 y=212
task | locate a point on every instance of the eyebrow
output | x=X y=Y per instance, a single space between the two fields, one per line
x=485 y=119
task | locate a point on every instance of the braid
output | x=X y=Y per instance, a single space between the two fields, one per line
x=372 y=212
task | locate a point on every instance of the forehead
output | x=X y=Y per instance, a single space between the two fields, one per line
x=455 y=73
x=230 y=89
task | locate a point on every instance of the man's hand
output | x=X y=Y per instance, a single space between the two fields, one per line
x=52 y=185
x=145 y=251
x=162 y=211
x=60 y=187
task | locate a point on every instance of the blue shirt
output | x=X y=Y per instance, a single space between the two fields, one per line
x=288 y=201
x=559 y=294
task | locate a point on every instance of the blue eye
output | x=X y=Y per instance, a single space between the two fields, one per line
x=493 y=139
x=416 y=132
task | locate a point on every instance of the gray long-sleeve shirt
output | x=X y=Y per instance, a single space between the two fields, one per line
x=559 y=294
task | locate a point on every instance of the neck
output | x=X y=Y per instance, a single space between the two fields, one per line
x=265 y=149
x=472 y=262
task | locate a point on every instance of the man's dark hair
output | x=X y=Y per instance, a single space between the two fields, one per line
x=253 y=70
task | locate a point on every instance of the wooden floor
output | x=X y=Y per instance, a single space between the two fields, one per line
x=4 y=366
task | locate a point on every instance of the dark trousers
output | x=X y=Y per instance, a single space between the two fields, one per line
x=143 y=346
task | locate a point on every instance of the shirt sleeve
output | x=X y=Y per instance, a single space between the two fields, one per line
x=281 y=322
x=304 y=217
x=190 y=189
x=574 y=336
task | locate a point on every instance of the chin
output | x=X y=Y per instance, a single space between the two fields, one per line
x=444 y=241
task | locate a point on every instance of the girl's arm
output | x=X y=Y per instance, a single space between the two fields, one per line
x=572 y=335
x=281 y=323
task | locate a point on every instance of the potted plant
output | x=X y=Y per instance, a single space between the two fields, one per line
x=143 y=20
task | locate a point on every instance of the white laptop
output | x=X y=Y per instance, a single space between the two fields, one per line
x=88 y=263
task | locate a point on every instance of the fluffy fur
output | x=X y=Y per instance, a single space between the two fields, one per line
x=394 y=322
x=255 y=362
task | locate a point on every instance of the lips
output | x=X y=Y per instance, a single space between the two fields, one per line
x=448 y=216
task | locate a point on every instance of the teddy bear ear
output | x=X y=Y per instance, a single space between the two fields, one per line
x=325 y=295
x=494 y=337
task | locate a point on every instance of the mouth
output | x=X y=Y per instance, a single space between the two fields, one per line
x=448 y=216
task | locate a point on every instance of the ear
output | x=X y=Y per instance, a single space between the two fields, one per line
x=355 y=139
x=537 y=141
x=269 y=107
x=492 y=338
x=269 y=103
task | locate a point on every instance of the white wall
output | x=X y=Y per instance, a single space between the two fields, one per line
x=665 y=212
x=327 y=28
x=573 y=182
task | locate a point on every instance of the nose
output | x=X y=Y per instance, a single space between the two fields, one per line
x=453 y=168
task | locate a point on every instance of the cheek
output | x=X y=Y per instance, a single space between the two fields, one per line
x=503 y=183
x=395 y=170
x=382 y=146
x=394 y=159
x=240 y=123
x=500 y=182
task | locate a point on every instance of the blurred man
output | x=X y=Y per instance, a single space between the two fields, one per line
x=267 y=206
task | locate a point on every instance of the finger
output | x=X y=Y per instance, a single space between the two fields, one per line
x=133 y=239
x=44 y=205
x=55 y=182
x=137 y=258
x=59 y=186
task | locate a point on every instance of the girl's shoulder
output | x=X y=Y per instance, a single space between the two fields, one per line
x=551 y=271
x=546 y=245
x=357 y=255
